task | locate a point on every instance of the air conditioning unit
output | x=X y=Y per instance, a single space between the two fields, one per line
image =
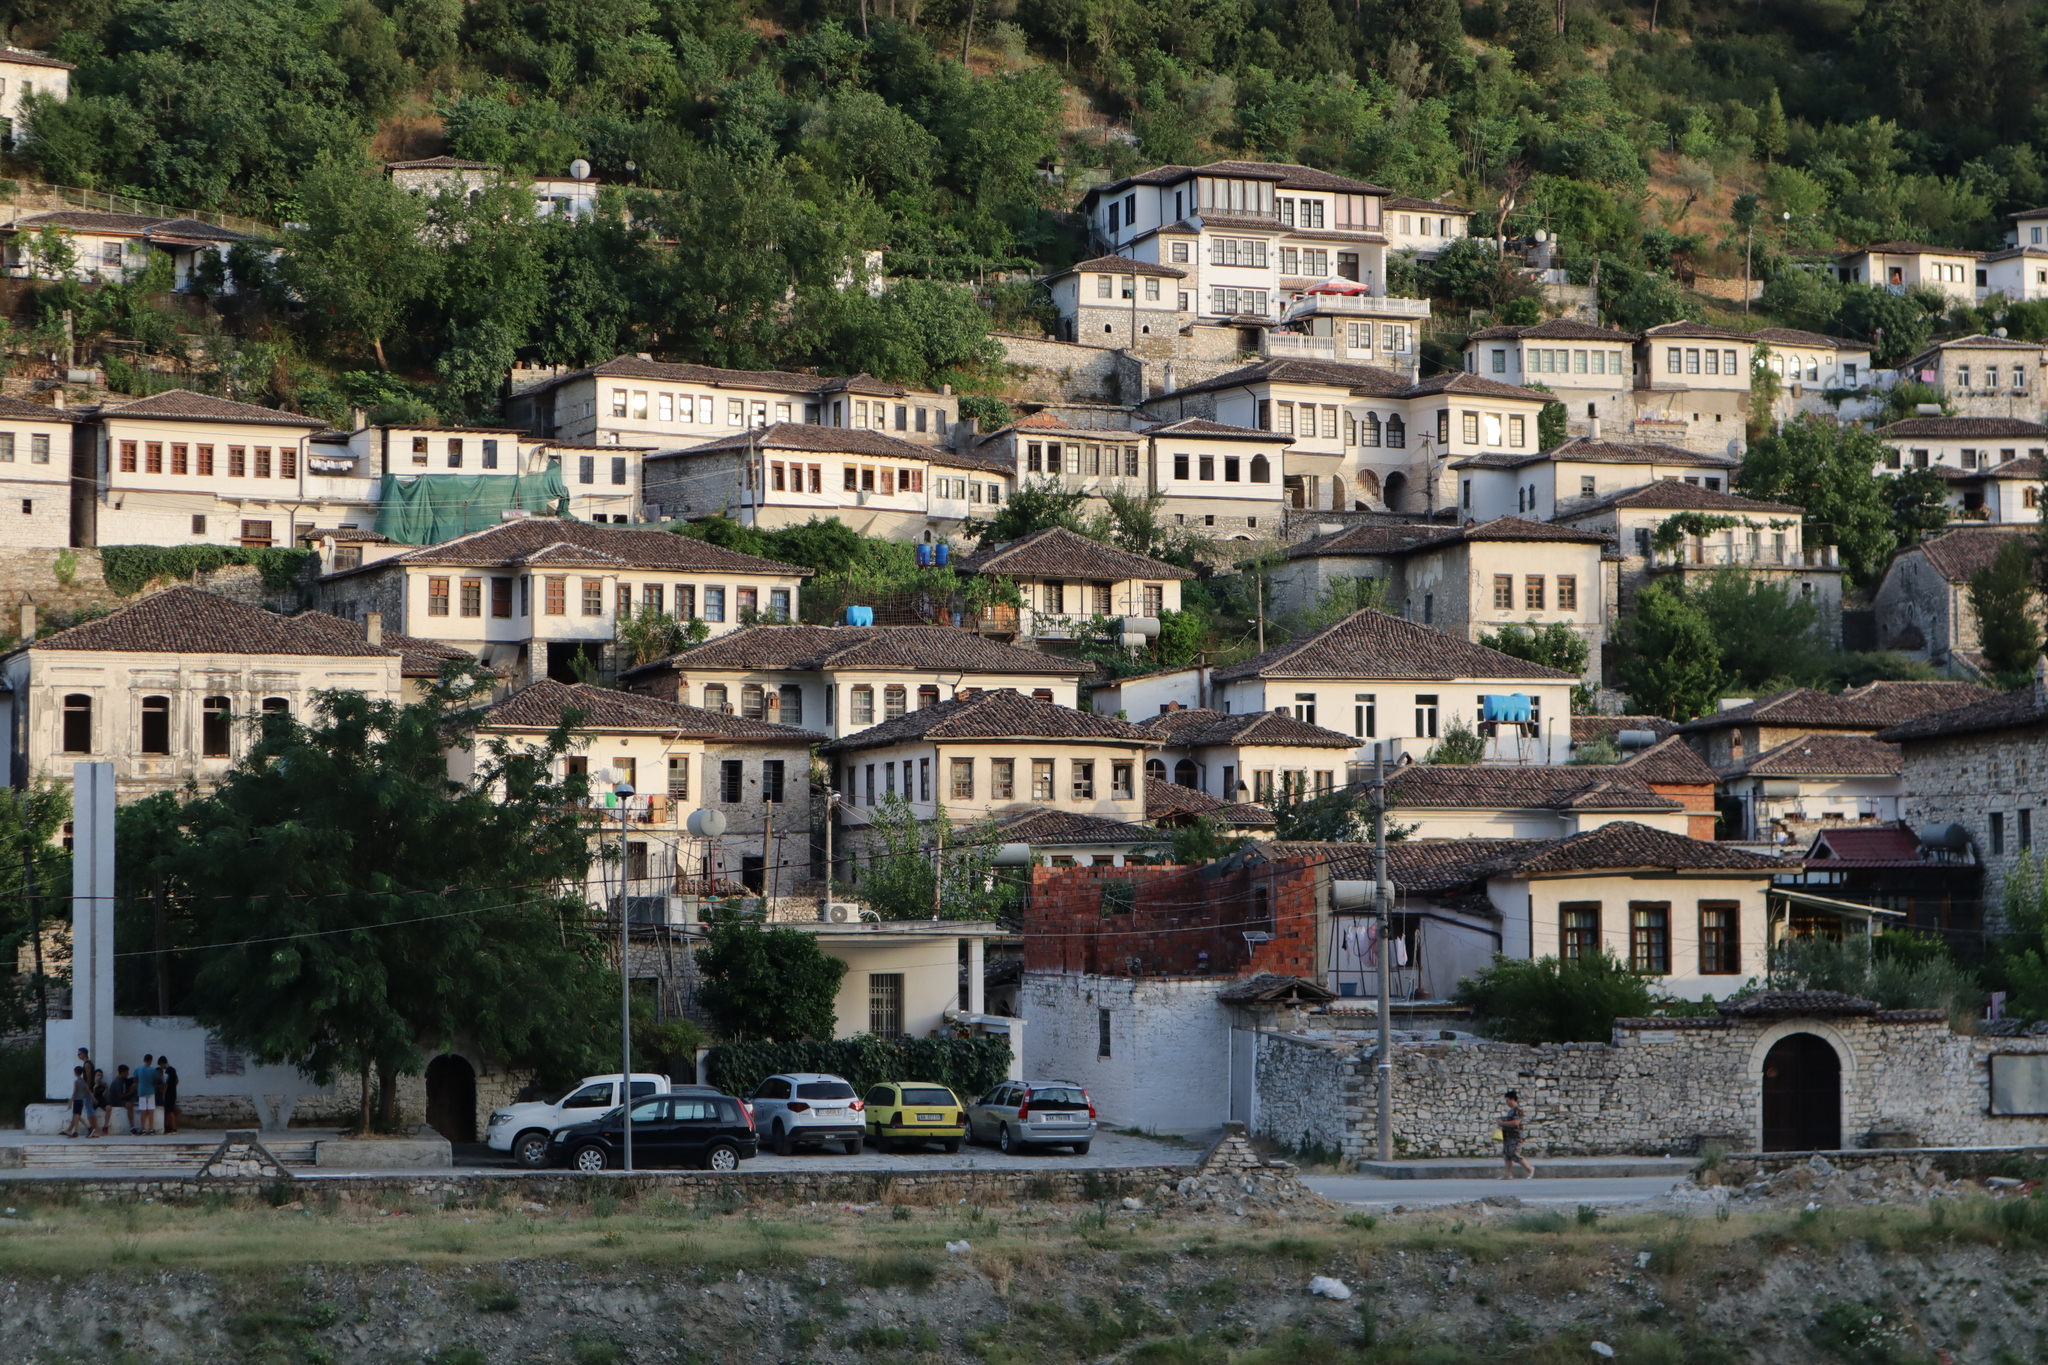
x=841 y=912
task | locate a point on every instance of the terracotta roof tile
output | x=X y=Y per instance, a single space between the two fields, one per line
x=1037 y=827
x=1957 y=554
x=1868 y=844
x=811 y=438
x=1938 y=428
x=1907 y=249
x=1826 y=756
x=186 y=406
x=22 y=58
x=34 y=412
x=1372 y=644
x=1002 y=714
x=1402 y=201
x=939 y=648
x=1197 y=728
x=539 y=706
x=1792 y=336
x=632 y=367
x=1627 y=845
x=1202 y=426
x=1870 y=707
x=1457 y=381
x=1064 y=553
x=422 y=658
x=513 y=541
x=1120 y=265
x=1557 y=329
x=187 y=621
x=1771 y=1003
x=1427 y=867
x=1669 y=762
x=1676 y=495
x=1448 y=786
x=2021 y=707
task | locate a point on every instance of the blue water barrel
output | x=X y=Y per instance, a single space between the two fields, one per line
x=1511 y=709
x=860 y=616
x=924 y=556
x=942 y=553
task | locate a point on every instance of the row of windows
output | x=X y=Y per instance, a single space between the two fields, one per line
x=1394 y=336
x=1239 y=302
x=1687 y=360
x=1104 y=289
x=487 y=452
x=1549 y=360
x=216 y=719
x=1261 y=470
x=38 y=448
x=1365 y=708
x=879 y=780
x=1055 y=598
x=1971 y=458
x=1533 y=593
x=1081 y=459
x=1246 y=251
x=1430 y=227
x=1490 y=428
x=243 y=461
x=1792 y=368
x=586 y=470
x=1991 y=373
x=466 y=596
x=2023 y=829
x=702 y=410
x=1308 y=261
x=1649 y=935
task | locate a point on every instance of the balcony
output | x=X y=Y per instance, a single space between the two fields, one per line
x=1356 y=306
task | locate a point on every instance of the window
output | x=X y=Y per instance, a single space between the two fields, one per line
x=437 y=597
x=893 y=701
x=1649 y=937
x=927 y=695
x=78 y=724
x=557 y=595
x=472 y=597
x=1997 y=834
x=1102 y=1033
x=1084 y=779
x=156 y=725
x=1262 y=470
x=1207 y=467
x=593 y=597
x=1397 y=430
x=261 y=466
x=1425 y=715
x=1578 y=924
x=1532 y=592
x=1517 y=431
x=1720 y=943
x=1305 y=707
x=277 y=706
x=1468 y=428
x=179 y=463
x=731 y=781
x=1567 y=592
x=751 y=705
x=863 y=705
x=1262 y=786
x=714 y=697
x=679 y=778
x=1180 y=467
x=771 y=780
x=885 y=1004
x=153 y=457
x=618 y=471
x=501 y=599
x=237 y=460
x=1364 y=716
x=1002 y=779
x=1503 y=592
x=963 y=779
x=1041 y=779
x=791 y=699
x=2026 y=829
x=214 y=716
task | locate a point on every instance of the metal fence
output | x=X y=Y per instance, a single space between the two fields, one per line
x=103 y=201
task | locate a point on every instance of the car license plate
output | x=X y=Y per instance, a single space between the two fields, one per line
x=834 y=1113
x=931 y=1118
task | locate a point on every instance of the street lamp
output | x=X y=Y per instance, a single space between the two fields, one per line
x=624 y=791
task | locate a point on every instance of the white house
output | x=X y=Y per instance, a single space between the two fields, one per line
x=1992 y=465
x=1808 y=366
x=1984 y=376
x=23 y=76
x=1066 y=581
x=1117 y=301
x=1591 y=370
x=1253 y=755
x=1423 y=226
x=2020 y=273
x=113 y=246
x=1814 y=781
x=1525 y=801
x=1583 y=470
x=35 y=473
x=1900 y=266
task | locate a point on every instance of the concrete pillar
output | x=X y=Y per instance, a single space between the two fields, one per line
x=92 y=912
x=974 y=969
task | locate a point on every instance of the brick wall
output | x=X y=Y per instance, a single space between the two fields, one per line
x=1183 y=923
x=1652 y=1089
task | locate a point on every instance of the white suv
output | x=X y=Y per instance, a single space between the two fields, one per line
x=524 y=1129
x=808 y=1108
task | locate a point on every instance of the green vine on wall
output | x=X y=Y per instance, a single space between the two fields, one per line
x=131 y=568
x=1673 y=530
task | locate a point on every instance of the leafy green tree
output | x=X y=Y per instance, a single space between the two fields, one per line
x=1671 y=663
x=1896 y=325
x=359 y=256
x=351 y=905
x=919 y=868
x=1831 y=471
x=1765 y=629
x=2002 y=600
x=1460 y=744
x=1552 y=1001
x=1919 y=503
x=1200 y=842
x=1341 y=597
x=1555 y=645
x=1906 y=399
x=765 y=983
x=1898 y=970
x=1033 y=507
x=34 y=893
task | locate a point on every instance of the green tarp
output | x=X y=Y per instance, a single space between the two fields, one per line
x=431 y=508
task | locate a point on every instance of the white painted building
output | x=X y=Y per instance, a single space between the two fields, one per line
x=1591 y=370
x=1577 y=473
x=1900 y=266
x=1984 y=376
x=113 y=246
x=1423 y=226
x=1251 y=756
x=26 y=75
x=35 y=473
x=1993 y=466
x=1066 y=582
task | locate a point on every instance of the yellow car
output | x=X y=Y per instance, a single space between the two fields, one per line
x=914 y=1113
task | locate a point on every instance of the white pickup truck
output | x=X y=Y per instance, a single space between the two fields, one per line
x=523 y=1129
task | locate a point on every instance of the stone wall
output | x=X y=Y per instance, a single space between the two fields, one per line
x=1963 y=779
x=1060 y=369
x=1660 y=1086
x=37 y=576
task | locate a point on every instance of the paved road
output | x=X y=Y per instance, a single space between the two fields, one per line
x=1372 y=1192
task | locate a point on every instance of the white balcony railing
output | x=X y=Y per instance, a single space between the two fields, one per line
x=1357 y=305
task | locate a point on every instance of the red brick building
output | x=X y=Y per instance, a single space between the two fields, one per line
x=1232 y=918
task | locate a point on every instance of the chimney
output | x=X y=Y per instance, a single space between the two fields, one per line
x=358 y=418
x=28 y=622
x=57 y=398
x=1592 y=428
x=373 y=627
x=2040 y=668
x=1166 y=377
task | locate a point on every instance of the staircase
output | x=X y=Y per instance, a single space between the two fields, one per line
x=115 y=1154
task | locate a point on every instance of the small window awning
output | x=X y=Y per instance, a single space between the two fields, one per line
x=1829 y=906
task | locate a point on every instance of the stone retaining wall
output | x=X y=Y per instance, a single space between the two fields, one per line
x=1660 y=1086
x=1061 y=369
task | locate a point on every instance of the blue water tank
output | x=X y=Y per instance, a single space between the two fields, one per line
x=860 y=616
x=1512 y=709
x=924 y=556
x=943 y=553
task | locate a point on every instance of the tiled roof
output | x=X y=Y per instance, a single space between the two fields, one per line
x=1273 y=988
x=659 y=371
x=539 y=706
x=2004 y=711
x=1434 y=866
x=422 y=658
x=1058 y=552
x=1039 y=827
x=1372 y=644
x=1286 y=174
x=1401 y=201
x=919 y=648
x=441 y=163
x=183 y=405
x=35 y=412
x=1557 y=329
x=85 y=220
x=1368 y=539
x=1868 y=844
x=1120 y=265
x=193 y=230
x=2030 y=468
x=1166 y=800
x=1586 y=729
x=1368 y=381
x=1907 y=249
x=1197 y=728
x=20 y=58
x=1670 y=762
x=1860 y=708
x=521 y=541
x=1457 y=381
x=1451 y=786
x=1792 y=336
x=1627 y=845
x=1936 y=428
x=187 y=621
x=1585 y=448
x=1826 y=756
x=1676 y=495
x=1768 y=1004
x=1957 y=554
x=1000 y=714
x=1980 y=342
x=811 y=438
x=1703 y=331
x=1202 y=426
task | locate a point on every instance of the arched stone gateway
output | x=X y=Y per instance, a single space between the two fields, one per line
x=451 y=1097
x=1802 y=1095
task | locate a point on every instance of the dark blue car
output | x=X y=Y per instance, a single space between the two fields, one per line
x=697 y=1128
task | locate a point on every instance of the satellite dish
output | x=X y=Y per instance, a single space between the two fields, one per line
x=1999 y=333
x=1541 y=235
x=707 y=824
x=579 y=169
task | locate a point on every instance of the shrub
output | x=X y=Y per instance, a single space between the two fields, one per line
x=968 y=1066
x=131 y=568
x=1553 y=1001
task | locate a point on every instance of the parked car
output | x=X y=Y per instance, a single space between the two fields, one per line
x=1019 y=1115
x=914 y=1113
x=523 y=1129
x=807 y=1109
x=696 y=1126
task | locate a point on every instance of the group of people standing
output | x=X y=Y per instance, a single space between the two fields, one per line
x=141 y=1094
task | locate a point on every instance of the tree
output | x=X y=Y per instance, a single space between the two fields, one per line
x=1340 y=598
x=1461 y=744
x=1831 y=471
x=1766 y=632
x=1199 y=842
x=358 y=255
x=1918 y=499
x=1033 y=507
x=351 y=905
x=1551 y=1001
x=2002 y=599
x=916 y=869
x=1555 y=645
x=1671 y=663
x=764 y=983
x=1771 y=136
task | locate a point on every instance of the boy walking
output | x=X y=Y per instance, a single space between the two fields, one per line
x=145 y=1095
x=1511 y=1138
x=81 y=1103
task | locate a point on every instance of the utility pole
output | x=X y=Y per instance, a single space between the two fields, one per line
x=35 y=928
x=1382 y=896
x=624 y=791
x=767 y=858
x=825 y=899
x=1748 y=245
